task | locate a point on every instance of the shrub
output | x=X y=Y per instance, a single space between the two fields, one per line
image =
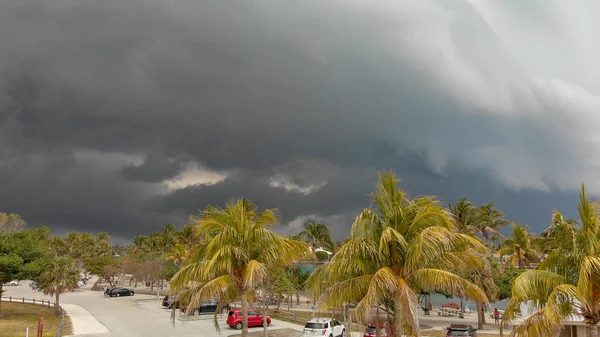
x=322 y=256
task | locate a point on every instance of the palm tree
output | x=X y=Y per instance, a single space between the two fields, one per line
x=179 y=255
x=235 y=261
x=567 y=281
x=520 y=246
x=187 y=236
x=168 y=237
x=466 y=216
x=490 y=221
x=399 y=247
x=559 y=227
x=62 y=275
x=318 y=236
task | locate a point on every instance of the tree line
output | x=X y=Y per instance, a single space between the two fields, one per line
x=400 y=249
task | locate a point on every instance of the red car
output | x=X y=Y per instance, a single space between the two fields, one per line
x=234 y=319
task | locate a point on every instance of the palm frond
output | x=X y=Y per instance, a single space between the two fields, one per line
x=254 y=274
x=431 y=280
x=408 y=304
x=536 y=285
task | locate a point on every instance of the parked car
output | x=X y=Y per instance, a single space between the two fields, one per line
x=328 y=327
x=211 y=306
x=461 y=330
x=118 y=292
x=234 y=319
x=371 y=330
x=12 y=283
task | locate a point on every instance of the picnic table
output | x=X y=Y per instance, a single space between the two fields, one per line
x=448 y=312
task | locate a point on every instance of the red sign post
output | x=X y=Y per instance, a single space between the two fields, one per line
x=40 y=330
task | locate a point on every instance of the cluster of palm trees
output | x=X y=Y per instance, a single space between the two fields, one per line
x=399 y=248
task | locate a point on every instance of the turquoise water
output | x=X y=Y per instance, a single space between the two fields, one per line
x=306 y=267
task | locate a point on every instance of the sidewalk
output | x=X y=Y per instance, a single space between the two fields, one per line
x=83 y=321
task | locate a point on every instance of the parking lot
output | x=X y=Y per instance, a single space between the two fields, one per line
x=132 y=316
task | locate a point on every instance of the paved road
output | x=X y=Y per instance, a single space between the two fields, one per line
x=135 y=316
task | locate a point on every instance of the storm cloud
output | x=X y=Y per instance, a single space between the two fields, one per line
x=122 y=116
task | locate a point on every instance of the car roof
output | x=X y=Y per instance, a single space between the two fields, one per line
x=459 y=326
x=319 y=320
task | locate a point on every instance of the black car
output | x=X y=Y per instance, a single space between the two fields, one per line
x=211 y=307
x=118 y=292
x=461 y=330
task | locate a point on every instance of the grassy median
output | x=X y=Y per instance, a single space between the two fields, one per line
x=16 y=317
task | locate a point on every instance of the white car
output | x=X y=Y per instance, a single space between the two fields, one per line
x=12 y=283
x=327 y=327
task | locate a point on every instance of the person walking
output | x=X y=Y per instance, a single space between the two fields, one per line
x=496 y=316
x=105 y=291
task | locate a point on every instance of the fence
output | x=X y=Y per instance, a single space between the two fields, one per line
x=45 y=303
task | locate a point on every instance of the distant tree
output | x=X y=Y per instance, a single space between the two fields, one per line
x=187 y=237
x=60 y=276
x=505 y=280
x=316 y=234
x=520 y=247
x=23 y=254
x=107 y=267
x=490 y=221
x=11 y=222
x=466 y=216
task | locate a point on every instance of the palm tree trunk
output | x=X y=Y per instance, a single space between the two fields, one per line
x=245 y=314
x=398 y=318
x=297 y=298
x=389 y=321
x=480 y=316
x=265 y=323
x=592 y=330
x=57 y=301
x=378 y=327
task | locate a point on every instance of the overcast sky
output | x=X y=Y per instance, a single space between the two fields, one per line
x=125 y=115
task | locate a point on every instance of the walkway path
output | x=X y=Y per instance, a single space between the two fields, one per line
x=84 y=323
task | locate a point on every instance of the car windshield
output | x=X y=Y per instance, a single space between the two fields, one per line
x=458 y=333
x=311 y=325
x=371 y=329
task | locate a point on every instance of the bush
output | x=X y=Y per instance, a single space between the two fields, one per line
x=322 y=256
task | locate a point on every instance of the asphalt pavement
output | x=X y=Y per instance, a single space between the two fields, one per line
x=93 y=315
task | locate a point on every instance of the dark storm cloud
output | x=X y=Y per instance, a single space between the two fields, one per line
x=104 y=104
x=155 y=168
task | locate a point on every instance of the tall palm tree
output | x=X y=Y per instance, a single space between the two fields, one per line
x=168 y=237
x=490 y=221
x=235 y=261
x=559 y=227
x=187 y=236
x=399 y=247
x=520 y=246
x=567 y=281
x=317 y=234
x=466 y=216
x=62 y=275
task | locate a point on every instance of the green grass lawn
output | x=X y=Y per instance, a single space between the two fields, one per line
x=16 y=317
